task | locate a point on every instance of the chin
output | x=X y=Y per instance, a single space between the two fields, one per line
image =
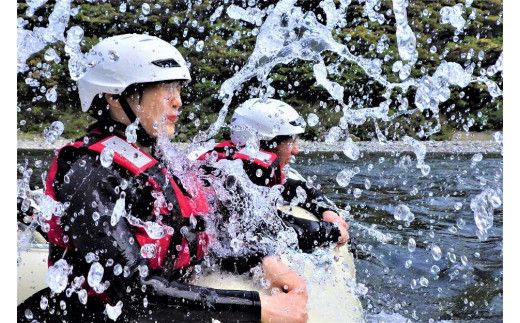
x=170 y=131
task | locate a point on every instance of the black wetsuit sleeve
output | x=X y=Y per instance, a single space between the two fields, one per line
x=89 y=187
x=314 y=200
x=310 y=233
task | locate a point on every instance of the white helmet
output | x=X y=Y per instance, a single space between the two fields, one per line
x=258 y=119
x=122 y=60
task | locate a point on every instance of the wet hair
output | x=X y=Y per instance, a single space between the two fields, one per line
x=270 y=145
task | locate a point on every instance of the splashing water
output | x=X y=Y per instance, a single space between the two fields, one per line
x=131 y=131
x=54 y=131
x=289 y=34
x=107 y=156
x=345 y=176
x=113 y=312
x=57 y=276
x=32 y=41
x=453 y=16
x=118 y=211
x=483 y=206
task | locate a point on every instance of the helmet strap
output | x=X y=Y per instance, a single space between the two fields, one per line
x=127 y=109
x=142 y=136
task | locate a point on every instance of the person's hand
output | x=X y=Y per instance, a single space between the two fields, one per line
x=282 y=307
x=288 y=302
x=333 y=217
x=282 y=277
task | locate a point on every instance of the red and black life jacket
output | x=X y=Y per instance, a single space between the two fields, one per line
x=139 y=163
x=260 y=159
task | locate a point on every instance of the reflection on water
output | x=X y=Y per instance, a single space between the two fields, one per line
x=402 y=276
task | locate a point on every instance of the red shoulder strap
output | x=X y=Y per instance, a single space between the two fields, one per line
x=259 y=157
x=126 y=155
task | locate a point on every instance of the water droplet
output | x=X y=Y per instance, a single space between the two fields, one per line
x=118 y=269
x=357 y=193
x=148 y=251
x=333 y=135
x=51 y=95
x=258 y=173
x=350 y=149
x=457 y=206
x=131 y=132
x=361 y=289
x=403 y=213
x=51 y=55
x=145 y=8
x=423 y=281
x=435 y=269
x=477 y=158
x=95 y=274
x=411 y=245
x=90 y=257
x=143 y=270
x=425 y=169
x=74 y=35
x=199 y=46
x=408 y=264
x=436 y=252
x=28 y=314
x=464 y=260
x=82 y=296
x=453 y=16
x=301 y=195
x=118 y=211
x=44 y=302
x=452 y=257
x=52 y=133
x=312 y=119
x=95 y=216
x=122 y=7
x=343 y=178
x=106 y=157
x=57 y=276
x=113 y=312
x=367 y=184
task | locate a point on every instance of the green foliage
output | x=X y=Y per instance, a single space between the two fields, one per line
x=294 y=82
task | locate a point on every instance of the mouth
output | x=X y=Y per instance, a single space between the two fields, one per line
x=172 y=117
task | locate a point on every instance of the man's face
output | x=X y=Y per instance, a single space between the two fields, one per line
x=286 y=149
x=159 y=108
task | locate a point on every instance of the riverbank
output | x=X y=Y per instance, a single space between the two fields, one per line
x=445 y=147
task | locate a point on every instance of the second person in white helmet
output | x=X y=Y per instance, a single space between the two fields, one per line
x=264 y=135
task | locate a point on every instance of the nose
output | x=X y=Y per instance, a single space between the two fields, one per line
x=176 y=100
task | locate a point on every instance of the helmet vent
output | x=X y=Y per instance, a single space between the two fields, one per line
x=166 y=63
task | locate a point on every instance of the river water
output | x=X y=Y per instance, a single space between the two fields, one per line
x=467 y=283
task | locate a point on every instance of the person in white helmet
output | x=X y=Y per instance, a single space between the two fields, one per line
x=264 y=136
x=124 y=246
